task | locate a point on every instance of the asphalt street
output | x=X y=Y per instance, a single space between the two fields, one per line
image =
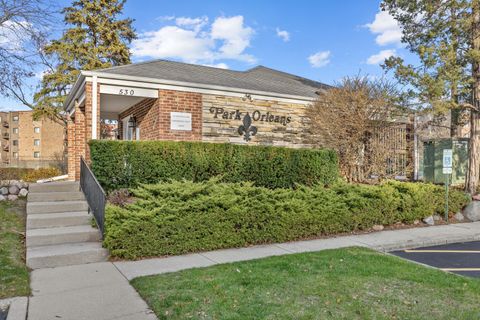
x=460 y=258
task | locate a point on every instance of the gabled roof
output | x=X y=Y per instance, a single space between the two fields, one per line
x=259 y=78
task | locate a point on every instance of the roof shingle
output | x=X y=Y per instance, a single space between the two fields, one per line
x=259 y=78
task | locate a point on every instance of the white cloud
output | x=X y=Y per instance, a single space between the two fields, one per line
x=381 y=56
x=235 y=37
x=173 y=42
x=220 y=65
x=319 y=59
x=283 y=34
x=387 y=29
x=192 y=23
x=193 y=40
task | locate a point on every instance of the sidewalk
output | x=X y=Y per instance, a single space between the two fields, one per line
x=101 y=291
x=95 y=291
x=382 y=241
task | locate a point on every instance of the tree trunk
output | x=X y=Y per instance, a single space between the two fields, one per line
x=474 y=144
x=473 y=150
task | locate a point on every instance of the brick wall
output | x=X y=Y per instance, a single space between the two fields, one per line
x=176 y=101
x=146 y=115
x=153 y=116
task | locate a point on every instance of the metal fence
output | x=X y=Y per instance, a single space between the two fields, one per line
x=94 y=194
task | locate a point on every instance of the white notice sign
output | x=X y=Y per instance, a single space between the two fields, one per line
x=447 y=161
x=181 y=121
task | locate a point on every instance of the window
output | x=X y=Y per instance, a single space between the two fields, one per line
x=15 y=118
x=36 y=129
x=15 y=155
x=15 y=130
x=36 y=142
x=15 y=142
x=36 y=154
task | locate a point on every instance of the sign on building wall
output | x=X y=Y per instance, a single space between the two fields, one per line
x=181 y=121
x=247 y=129
x=279 y=123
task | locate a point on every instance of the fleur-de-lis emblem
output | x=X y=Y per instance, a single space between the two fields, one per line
x=247 y=130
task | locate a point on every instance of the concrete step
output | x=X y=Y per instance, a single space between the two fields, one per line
x=56 y=206
x=65 y=255
x=61 y=235
x=64 y=186
x=55 y=196
x=62 y=219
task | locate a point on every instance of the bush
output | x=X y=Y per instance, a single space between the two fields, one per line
x=41 y=173
x=180 y=217
x=28 y=174
x=125 y=164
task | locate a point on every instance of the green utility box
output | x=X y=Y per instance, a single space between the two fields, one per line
x=433 y=160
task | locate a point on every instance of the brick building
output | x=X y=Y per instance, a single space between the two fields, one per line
x=28 y=143
x=165 y=100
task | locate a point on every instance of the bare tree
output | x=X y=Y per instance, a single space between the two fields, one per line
x=356 y=118
x=24 y=25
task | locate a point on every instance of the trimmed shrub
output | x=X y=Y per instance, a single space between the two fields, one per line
x=41 y=173
x=28 y=174
x=179 y=217
x=126 y=164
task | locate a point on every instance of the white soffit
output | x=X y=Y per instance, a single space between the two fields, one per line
x=128 y=91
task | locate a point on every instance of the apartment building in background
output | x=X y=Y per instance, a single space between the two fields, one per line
x=28 y=143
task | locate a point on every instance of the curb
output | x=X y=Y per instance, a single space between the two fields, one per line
x=17 y=307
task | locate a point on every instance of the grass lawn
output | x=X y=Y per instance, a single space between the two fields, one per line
x=13 y=271
x=352 y=283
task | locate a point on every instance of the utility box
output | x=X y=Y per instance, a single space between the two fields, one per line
x=433 y=160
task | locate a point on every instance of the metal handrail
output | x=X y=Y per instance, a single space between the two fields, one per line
x=94 y=193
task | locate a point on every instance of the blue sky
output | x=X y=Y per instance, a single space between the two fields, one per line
x=321 y=40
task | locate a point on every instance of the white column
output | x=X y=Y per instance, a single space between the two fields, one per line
x=94 y=107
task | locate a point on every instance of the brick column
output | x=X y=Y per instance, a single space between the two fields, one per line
x=71 y=148
x=80 y=141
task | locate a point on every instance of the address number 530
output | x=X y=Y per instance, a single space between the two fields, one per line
x=126 y=92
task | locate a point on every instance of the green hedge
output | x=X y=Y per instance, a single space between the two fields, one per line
x=123 y=164
x=180 y=217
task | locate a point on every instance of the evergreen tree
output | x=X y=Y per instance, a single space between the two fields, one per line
x=96 y=38
x=445 y=37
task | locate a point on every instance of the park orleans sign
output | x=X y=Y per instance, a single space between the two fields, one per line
x=247 y=129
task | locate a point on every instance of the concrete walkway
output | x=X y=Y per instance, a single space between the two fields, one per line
x=89 y=291
x=101 y=291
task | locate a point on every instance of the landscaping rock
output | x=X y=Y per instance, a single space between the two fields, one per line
x=429 y=220
x=23 y=192
x=416 y=222
x=4 y=191
x=472 y=211
x=18 y=184
x=378 y=227
x=436 y=217
x=476 y=197
x=459 y=216
x=14 y=190
x=12 y=197
x=2 y=198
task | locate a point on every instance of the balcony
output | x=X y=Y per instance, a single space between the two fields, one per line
x=6 y=148
x=6 y=135
x=5 y=124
